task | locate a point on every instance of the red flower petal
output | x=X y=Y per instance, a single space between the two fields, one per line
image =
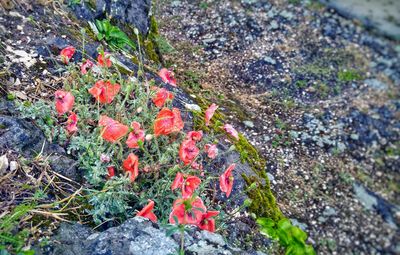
x=112 y=130
x=211 y=150
x=104 y=92
x=190 y=185
x=206 y=223
x=231 y=131
x=162 y=96
x=86 y=65
x=187 y=211
x=168 y=121
x=135 y=136
x=226 y=180
x=167 y=76
x=64 y=101
x=72 y=123
x=131 y=165
x=111 y=172
x=67 y=53
x=210 y=113
x=188 y=151
x=147 y=212
x=178 y=181
x=194 y=135
x=104 y=59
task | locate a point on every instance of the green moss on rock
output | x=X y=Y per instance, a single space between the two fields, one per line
x=263 y=201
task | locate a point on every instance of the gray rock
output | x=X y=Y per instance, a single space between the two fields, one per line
x=23 y=137
x=65 y=166
x=270 y=60
x=376 y=84
x=20 y=135
x=248 y=123
x=354 y=136
x=365 y=198
x=329 y=211
x=273 y=25
x=135 y=236
x=287 y=15
x=135 y=13
x=299 y=224
x=374 y=202
x=270 y=177
x=381 y=15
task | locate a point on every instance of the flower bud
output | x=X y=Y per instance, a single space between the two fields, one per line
x=149 y=137
x=105 y=158
x=139 y=110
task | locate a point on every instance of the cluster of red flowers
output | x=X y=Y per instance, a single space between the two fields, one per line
x=189 y=209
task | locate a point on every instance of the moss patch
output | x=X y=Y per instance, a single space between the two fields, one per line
x=263 y=201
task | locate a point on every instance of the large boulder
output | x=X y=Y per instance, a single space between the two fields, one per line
x=22 y=136
x=135 y=236
x=132 y=12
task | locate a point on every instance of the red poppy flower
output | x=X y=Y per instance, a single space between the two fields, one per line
x=211 y=150
x=187 y=211
x=226 y=180
x=104 y=59
x=210 y=113
x=188 y=151
x=194 y=135
x=131 y=165
x=86 y=65
x=231 y=131
x=177 y=181
x=167 y=76
x=64 y=101
x=162 y=96
x=67 y=53
x=206 y=223
x=136 y=135
x=168 y=121
x=104 y=92
x=112 y=130
x=111 y=172
x=72 y=122
x=147 y=212
x=188 y=184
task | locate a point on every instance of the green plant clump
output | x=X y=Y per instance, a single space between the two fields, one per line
x=130 y=144
x=289 y=236
x=113 y=35
x=349 y=75
x=10 y=238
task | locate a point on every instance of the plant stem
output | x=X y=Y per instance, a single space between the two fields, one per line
x=158 y=148
x=182 y=251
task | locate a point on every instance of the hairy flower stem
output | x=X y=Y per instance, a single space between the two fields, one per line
x=128 y=93
x=158 y=148
x=182 y=250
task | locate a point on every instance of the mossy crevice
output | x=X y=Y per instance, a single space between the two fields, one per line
x=263 y=201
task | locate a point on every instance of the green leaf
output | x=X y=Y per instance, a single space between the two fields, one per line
x=284 y=224
x=266 y=222
x=299 y=234
x=99 y=26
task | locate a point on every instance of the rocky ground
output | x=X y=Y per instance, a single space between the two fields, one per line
x=317 y=94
